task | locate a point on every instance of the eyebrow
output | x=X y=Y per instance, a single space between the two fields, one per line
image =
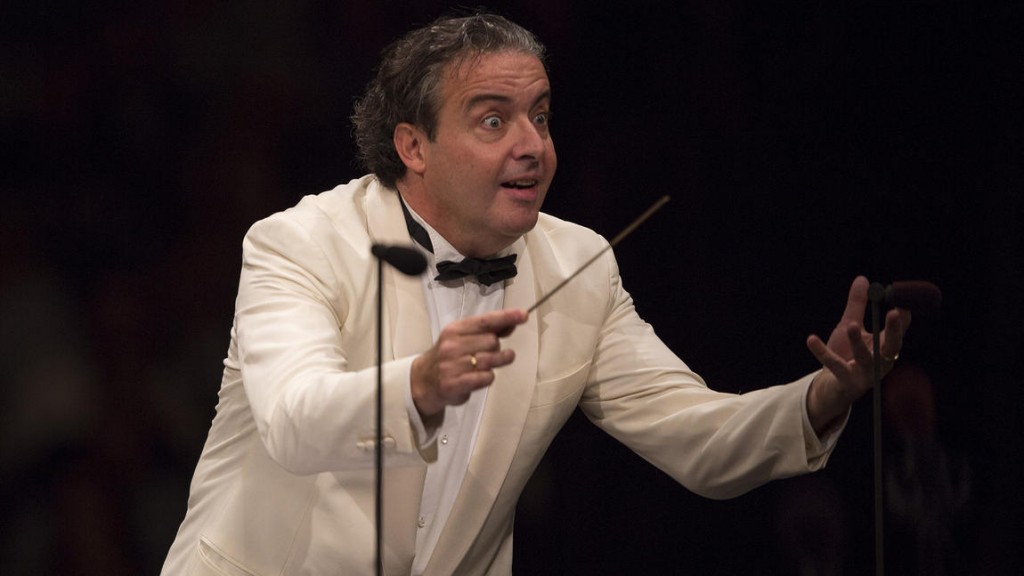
x=479 y=98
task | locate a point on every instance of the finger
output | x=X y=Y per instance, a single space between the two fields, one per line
x=469 y=382
x=861 y=353
x=480 y=373
x=454 y=347
x=497 y=322
x=857 y=300
x=492 y=360
x=478 y=343
x=892 y=335
x=507 y=331
x=483 y=362
x=818 y=348
x=471 y=371
x=828 y=359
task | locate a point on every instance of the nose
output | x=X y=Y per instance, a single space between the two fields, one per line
x=530 y=140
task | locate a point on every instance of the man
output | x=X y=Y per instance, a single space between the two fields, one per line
x=454 y=129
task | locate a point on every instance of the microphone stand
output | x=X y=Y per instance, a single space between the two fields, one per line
x=876 y=293
x=410 y=262
x=378 y=445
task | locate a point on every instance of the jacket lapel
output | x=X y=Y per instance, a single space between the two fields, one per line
x=407 y=324
x=406 y=332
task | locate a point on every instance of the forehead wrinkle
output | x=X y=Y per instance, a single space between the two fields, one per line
x=460 y=73
x=480 y=98
x=504 y=99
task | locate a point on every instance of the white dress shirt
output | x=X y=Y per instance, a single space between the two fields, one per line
x=456 y=435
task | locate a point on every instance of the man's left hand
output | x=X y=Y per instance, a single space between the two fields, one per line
x=848 y=360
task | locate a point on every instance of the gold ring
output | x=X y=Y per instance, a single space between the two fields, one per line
x=472 y=361
x=893 y=359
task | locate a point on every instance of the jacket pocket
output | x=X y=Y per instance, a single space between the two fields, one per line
x=555 y=390
x=214 y=562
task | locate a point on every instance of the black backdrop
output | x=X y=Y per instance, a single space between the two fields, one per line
x=802 y=144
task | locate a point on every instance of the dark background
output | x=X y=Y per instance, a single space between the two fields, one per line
x=802 y=143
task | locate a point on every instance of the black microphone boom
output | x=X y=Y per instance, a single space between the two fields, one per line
x=406 y=260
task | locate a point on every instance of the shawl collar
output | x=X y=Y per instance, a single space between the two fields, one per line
x=407 y=325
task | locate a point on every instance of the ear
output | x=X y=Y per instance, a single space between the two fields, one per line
x=410 y=143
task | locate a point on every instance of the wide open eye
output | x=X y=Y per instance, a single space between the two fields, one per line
x=492 y=122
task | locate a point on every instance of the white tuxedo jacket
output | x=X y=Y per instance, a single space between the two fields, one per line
x=285 y=483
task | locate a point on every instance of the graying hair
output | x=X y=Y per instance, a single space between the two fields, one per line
x=405 y=86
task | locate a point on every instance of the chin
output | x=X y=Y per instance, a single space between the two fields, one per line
x=518 y=217
x=522 y=225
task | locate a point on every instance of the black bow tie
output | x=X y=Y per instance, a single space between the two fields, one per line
x=487 y=271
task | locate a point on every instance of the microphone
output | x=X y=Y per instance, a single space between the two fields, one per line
x=408 y=261
x=913 y=295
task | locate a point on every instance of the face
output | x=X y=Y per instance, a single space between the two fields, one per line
x=488 y=168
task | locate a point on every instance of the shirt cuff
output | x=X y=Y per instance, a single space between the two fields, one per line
x=818 y=448
x=424 y=436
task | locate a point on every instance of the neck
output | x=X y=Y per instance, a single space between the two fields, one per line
x=470 y=245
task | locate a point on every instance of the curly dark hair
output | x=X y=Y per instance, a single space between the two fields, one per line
x=405 y=86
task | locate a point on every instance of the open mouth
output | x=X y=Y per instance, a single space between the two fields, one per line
x=519 y=184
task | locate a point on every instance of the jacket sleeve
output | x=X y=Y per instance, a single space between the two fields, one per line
x=313 y=397
x=716 y=444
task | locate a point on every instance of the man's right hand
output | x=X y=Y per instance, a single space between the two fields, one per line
x=462 y=360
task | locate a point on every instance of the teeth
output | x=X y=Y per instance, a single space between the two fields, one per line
x=521 y=183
